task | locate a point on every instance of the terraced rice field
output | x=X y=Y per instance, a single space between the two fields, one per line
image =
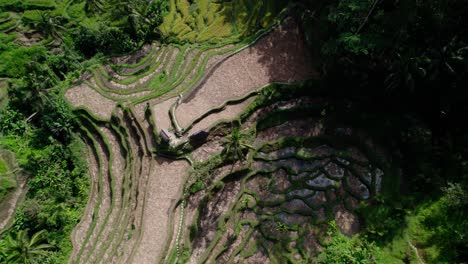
x=8 y=22
x=14 y=188
x=211 y=20
x=144 y=208
x=274 y=207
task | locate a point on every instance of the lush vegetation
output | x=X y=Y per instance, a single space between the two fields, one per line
x=342 y=249
x=22 y=249
x=7 y=180
x=214 y=21
x=44 y=45
x=395 y=69
x=402 y=66
x=58 y=186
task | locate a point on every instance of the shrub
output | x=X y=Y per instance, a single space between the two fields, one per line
x=344 y=250
x=104 y=39
x=7 y=182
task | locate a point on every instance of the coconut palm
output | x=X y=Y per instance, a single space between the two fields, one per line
x=21 y=249
x=143 y=16
x=50 y=25
x=93 y=6
x=235 y=145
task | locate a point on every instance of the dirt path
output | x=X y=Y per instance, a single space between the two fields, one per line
x=415 y=249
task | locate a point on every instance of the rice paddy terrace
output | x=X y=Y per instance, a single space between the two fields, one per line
x=156 y=123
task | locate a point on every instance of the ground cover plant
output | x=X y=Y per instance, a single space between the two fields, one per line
x=6 y=178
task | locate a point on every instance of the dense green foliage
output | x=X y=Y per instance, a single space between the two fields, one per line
x=344 y=250
x=43 y=46
x=396 y=69
x=235 y=145
x=7 y=180
x=58 y=187
x=201 y=21
x=22 y=249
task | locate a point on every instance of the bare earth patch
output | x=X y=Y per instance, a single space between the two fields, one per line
x=228 y=113
x=279 y=57
x=164 y=188
x=207 y=150
x=79 y=232
x=83 y=96
x=161 y=114
x=346 y=221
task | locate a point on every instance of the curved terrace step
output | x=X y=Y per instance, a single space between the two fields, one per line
x=135 y=195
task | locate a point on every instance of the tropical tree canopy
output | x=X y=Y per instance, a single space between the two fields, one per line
x=22 y=249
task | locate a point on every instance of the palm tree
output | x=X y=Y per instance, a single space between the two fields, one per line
x=50 y=25
x=93 y=6
x=143 y=16
x=235 y=145
x=38 y=84
x=21 y=249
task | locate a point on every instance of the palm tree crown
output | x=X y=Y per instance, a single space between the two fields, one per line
x=21 y=249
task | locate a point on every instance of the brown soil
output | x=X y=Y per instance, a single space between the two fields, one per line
x=208 y=149
x=140 y=170
x=171 y=244
x=260 y=256
x=161 y=114
x=28 y=39
x=228 y=113
x=117 y=170
x=147 y=78
x=133 y=58
x=83 y=96
x=280 y=56
x=304 y=128
x=132 y=236
x=218 y=206
x=190 y=75
x=104 y=206
x=164 y=188
x=346 y=221
x=81 y=228
x=224 y=258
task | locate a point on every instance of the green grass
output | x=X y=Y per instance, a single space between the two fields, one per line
x=21 y=5
x=7 y=181
x=436 y=229
x=3 y=166
x=32 y=15
x=209 y=21
x=76 y=11
x=46 y=4
x=4 y=15
x=8 y=25
x=3 y=94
